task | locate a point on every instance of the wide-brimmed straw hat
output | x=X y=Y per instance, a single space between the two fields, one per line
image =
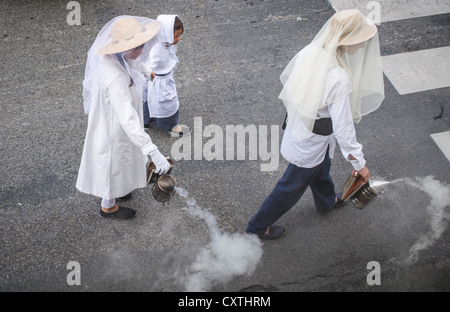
x=127 y=33
x=357 y=27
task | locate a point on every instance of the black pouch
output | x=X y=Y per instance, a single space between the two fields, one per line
x=323 y=126
x=284 y=123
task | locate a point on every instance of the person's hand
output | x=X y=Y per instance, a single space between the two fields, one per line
x=152 y=75
x=161 y=163
x=364 y=173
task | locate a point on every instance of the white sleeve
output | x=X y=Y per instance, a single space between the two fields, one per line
x=124 y=111
x=154 y=58
x=344 y=132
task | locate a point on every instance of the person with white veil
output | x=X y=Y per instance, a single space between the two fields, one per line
x=327 y=87
x=116 y=147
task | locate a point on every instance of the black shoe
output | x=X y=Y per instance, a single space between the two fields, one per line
x=339 y=202
x=122 y=213
x=124 y=198
x=147 y=126
x=275 y=231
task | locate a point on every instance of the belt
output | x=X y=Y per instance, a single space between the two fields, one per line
x=161 y=75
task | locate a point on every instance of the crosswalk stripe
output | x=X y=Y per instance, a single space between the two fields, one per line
x=419 y=70
x=394 y=10
x=442 y=139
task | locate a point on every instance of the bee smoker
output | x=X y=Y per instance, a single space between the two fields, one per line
x=163 y=185
x=164 y=189
x=360 y=193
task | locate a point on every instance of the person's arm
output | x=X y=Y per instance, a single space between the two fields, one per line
x=154 y=60
x=120 y=98
x=345 y=134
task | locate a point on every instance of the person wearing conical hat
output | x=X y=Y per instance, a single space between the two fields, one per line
x=116 y=147
x=327 y=87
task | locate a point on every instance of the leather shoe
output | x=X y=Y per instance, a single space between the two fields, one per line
x=339 y=202
x=274 y=232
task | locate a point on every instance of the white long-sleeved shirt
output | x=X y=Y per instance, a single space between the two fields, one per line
x=310 y=152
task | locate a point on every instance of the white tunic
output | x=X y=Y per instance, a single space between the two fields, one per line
x=310 y=152
x=162 y=91
x=116 y=145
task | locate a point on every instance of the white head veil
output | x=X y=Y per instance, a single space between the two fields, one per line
x=304 y=77
x=118 y=37
x=166 y=32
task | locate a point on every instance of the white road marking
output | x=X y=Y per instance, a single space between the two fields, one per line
x=442 y=140
x=419 y=70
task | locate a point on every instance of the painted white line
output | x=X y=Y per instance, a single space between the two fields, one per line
x=394 y=10
x=418 y=71
x=442 y=140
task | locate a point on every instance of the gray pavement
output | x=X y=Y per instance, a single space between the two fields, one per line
x=231 y=56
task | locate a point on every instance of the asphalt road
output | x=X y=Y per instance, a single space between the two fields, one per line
x=231 y=55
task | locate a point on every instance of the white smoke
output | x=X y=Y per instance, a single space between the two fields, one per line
x=226 y=256
x=440 y=199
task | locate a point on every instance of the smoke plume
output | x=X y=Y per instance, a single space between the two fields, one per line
x=440 y=199
x=226 y=256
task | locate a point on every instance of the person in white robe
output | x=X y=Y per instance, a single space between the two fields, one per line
x=327 y=87
x=162 y=105
x=116 y=147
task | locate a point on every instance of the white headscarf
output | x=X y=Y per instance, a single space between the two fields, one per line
x=166 y=32
x=104 y=39
x=304 y=77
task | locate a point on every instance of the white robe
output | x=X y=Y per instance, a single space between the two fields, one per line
x=116 y=146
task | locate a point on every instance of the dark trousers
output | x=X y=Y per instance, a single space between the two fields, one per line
x=290 y=189
x=163 y=123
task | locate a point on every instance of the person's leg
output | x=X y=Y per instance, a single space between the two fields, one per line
x=322 y=187
x=146 y=115
x=167 y=123
x=284 y=196
x=109 y=205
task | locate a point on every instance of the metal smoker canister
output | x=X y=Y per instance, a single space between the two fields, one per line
x=164 y=188
x=361 y=193
x=363 y=196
